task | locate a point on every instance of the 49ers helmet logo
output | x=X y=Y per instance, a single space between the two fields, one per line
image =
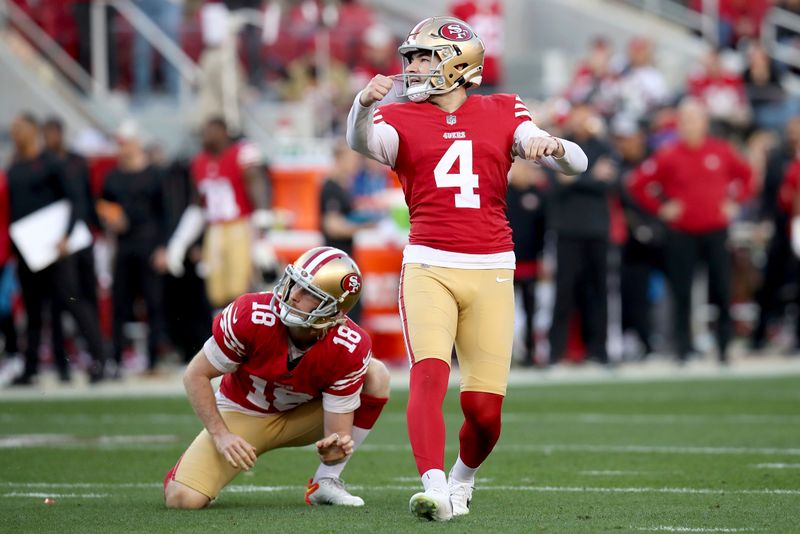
x=455 y=32
x=351 y=283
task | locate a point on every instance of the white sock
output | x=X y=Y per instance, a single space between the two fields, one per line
x=335 y=471
x=462 y=472
x=435 y=480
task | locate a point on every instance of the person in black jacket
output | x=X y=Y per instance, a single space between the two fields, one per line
x=76 y=177
x=133 y=209
x=578 y=214
x=642 y=252
x=781 y=264
x=525 y=202
x=36 y=180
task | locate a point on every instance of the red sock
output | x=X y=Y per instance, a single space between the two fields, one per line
x=481 y=428
x=366 y=414
x=426 y=432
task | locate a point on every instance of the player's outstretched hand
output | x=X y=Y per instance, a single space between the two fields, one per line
x=539 y=147
x=236 y=450
x=334 y=448
x=377 y=88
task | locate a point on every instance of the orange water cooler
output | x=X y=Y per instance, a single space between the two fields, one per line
x=380 y=261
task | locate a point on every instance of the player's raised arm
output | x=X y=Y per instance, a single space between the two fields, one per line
x=377 y=141
x=533 y=143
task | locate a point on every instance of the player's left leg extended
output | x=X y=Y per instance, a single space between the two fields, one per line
x=483 y=344
x=327 y=487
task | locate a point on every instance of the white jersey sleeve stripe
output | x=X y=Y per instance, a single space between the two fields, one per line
x=338 y=404
x=229 y=339
x=523 y=114
x=338 y=386
x=217 y=358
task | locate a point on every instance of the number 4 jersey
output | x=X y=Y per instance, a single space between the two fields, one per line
x=251 y=345
x=453 y=167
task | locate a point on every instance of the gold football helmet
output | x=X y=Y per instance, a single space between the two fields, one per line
x=456 y=51
x=328 y=274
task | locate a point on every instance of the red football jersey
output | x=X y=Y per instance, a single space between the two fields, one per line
x=220 y=181
x=790 y=188
x=454 y=170
x=251 y=345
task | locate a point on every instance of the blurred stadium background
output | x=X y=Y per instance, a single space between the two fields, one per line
x=283 y=74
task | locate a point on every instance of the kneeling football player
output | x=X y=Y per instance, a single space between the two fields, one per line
x=296 y=370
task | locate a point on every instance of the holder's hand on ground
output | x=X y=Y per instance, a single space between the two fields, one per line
x=334 y=448
x=236 y=450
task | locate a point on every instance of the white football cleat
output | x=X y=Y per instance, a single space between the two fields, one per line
x=460 y=495
x=431 y=505
x=330 y=491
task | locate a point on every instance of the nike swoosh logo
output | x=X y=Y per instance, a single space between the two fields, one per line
x=501 y=280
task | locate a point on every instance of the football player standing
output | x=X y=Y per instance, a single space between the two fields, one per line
x=452 y=152
x=296 y=370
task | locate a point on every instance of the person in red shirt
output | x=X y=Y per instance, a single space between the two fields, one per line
x=789 y=202
x=721 y=91
x=486 y=17
x=695 y=185
x=296 y=371
x=234 y=195
x=452 y=153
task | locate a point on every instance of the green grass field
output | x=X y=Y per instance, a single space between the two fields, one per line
x=689 y=456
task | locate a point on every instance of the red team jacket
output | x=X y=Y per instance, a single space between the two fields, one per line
x=790 y=188
x=253 y=351
x=454 y=170
x=220 y=181
x=700 y=178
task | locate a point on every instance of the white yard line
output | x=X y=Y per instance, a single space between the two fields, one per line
x=642 y=449
x=626 y=419
x=508 y=417
x=239 y=488
x=692 y=529
x=602 y=473
x=776 y=466
x=20 y=441
x=165 y=441
x=57 y=495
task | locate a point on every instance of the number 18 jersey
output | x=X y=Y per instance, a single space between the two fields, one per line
x=454 y=170
x=251 y=345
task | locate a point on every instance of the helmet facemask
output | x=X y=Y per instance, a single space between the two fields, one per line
x=324 y=315
x=418 y=86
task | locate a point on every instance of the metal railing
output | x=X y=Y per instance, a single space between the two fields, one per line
x=11 y=13
x=780 y=18
x=706 y=23
x=164 y=44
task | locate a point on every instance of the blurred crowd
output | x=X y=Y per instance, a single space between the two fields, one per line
x=700 y=180
x=677 y=180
